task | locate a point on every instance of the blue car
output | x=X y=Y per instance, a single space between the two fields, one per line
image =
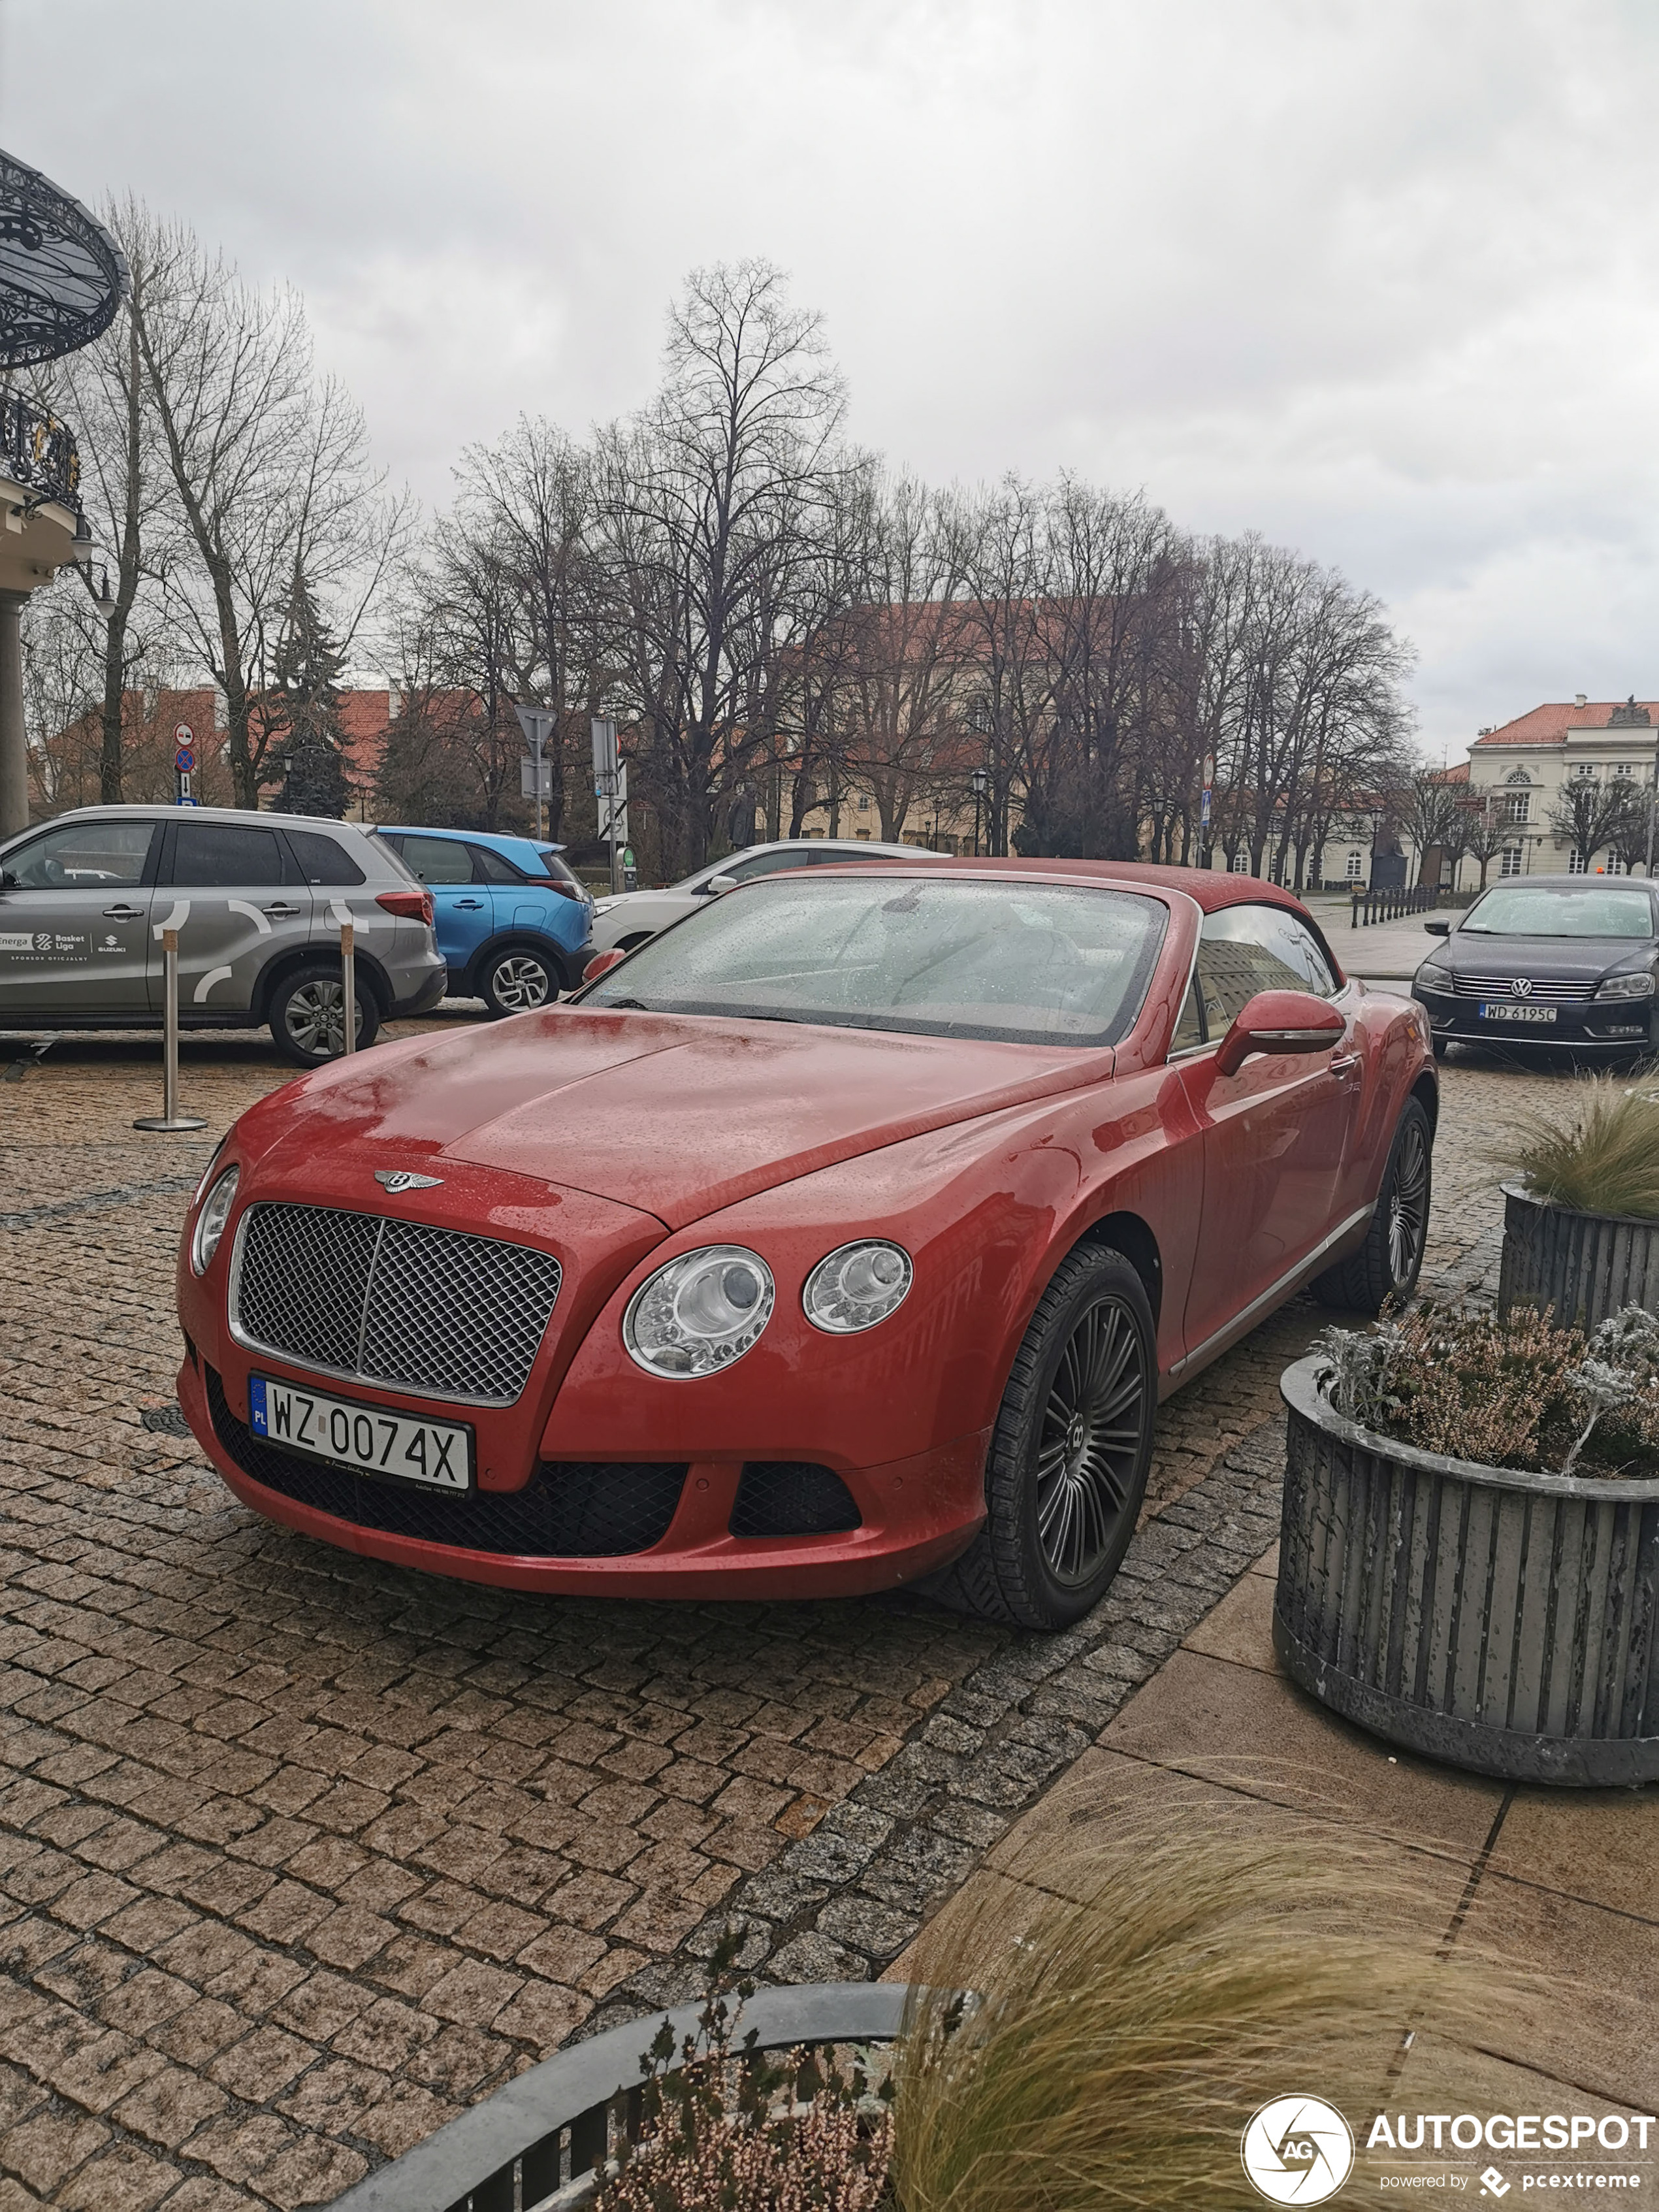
x=512 y=920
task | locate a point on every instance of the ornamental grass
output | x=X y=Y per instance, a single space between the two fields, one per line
x=1122 y=2043
x=1602 y=1156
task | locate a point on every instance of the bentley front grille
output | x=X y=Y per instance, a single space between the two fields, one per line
x=370 y=1299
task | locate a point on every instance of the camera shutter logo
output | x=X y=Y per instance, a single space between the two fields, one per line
x=1297 y=2150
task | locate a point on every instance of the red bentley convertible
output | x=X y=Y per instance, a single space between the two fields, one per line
x=846 y=1233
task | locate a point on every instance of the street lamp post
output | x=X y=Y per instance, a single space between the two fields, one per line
x=981 y=780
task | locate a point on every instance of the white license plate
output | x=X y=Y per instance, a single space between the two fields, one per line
x=1505 y=1010
x=436 y=1452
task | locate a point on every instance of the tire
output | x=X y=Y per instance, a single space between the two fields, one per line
x=1438 y=1046
x=1387 y=1265
x=1062 y=1503
x=518 y=979
x=305 y=1016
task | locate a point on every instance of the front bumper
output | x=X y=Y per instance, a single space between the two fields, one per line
x=915 y=1516
x=1609 y=1026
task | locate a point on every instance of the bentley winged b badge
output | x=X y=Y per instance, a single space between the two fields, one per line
x=401 y=1179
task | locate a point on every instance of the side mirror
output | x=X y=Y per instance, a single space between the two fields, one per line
x=1279 y=1021
x=716 y=884
x=1438 y=928
x=8 y=881
x=601 y=963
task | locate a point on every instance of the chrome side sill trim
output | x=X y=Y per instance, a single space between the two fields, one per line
x=1245 y=1320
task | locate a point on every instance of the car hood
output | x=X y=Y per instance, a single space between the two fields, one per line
x=674 y=1116
x=1564 y=959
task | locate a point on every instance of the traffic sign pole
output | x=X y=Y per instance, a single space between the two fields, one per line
x=183 y=764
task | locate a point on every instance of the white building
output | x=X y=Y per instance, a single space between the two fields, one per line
x=1520 y=770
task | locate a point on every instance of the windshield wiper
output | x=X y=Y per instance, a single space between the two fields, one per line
x=637 y=1006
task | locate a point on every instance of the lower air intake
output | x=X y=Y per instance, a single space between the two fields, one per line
x=792 y=1498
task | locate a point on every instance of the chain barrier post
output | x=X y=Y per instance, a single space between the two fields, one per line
x=348 y=985
x=170 y=1119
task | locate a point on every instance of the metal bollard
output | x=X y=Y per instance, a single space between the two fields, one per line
x=348 y=985
x=170 y=1119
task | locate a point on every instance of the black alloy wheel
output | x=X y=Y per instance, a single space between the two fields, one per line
x=517 y=980
x=1387 y=1265
x=1069 y=1455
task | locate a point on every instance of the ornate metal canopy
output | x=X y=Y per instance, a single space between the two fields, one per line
x=61 y=276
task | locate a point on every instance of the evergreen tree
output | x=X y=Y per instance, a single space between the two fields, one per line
x=306 y=669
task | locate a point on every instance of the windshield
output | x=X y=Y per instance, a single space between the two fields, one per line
x=1545 y=910
x=1039 y=964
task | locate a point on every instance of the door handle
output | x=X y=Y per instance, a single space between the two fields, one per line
x=469 y=902
x=1347 y=1065
x=123 y=912
x=282 y=912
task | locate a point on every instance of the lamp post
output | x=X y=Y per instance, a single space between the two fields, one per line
x=981 y=780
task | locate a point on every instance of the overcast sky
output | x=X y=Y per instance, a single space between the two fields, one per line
x=1377 y=280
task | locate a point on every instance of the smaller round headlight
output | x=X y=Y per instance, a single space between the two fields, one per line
x=857 y=1286
x=210 y=1221
x=700 y=1312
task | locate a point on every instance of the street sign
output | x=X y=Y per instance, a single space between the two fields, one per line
x=539 y=725
x=1204 y=809
x=605 y=751
x=613 y=809
x=536 y=774
x=184 y=762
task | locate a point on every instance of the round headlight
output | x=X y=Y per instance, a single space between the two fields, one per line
x=700 y=1312
x=210 y=1221
x=857 y=1286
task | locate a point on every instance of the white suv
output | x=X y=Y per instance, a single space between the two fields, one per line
x=623 y=922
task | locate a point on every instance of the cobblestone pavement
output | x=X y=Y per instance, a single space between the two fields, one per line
x=300 y=1854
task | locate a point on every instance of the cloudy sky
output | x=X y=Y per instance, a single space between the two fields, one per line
x=1378 y=280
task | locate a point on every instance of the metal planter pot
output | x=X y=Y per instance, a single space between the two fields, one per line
x=544 y=2137
x=1586 y=1265
x=1504 y=1622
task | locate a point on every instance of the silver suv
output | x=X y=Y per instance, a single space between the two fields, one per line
x=258 y=900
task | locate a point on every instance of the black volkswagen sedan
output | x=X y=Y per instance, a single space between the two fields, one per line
x=1566 y=962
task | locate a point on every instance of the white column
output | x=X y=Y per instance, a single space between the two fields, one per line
x=14 y=752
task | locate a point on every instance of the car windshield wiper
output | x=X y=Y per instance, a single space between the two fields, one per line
x=636 y=1006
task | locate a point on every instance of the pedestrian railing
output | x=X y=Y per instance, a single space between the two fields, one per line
x=1391 y=905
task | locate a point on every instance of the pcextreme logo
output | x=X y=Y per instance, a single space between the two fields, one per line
x=1297 y=2150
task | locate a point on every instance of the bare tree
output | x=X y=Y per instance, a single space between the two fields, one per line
x=527 y=503
x=270 y=471
x=1589 y=814
x=709 y=504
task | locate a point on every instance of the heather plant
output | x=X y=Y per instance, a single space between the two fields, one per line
x=1518 y=1392
x=724 y=2127
x=1601 y=1156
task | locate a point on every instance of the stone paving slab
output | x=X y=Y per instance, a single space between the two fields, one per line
x=300 y=1854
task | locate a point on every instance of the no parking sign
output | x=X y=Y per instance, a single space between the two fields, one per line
x=184 y=762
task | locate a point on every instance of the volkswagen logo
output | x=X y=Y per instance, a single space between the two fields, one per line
x=1522 y=987
x=397 y=1180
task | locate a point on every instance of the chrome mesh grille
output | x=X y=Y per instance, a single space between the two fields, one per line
x=1545 y=991
x=396 y=1302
